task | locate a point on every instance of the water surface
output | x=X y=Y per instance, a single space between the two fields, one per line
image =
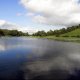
x=38 y=59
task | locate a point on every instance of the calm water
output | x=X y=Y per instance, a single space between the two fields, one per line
x=38 y=59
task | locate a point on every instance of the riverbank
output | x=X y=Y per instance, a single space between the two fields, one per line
x=66 y=39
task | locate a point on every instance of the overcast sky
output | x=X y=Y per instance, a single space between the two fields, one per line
x=34 y=15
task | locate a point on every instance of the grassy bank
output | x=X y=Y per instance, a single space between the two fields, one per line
x=67 y=39
x=70 y=39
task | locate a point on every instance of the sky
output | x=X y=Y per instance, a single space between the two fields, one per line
x=33 y=15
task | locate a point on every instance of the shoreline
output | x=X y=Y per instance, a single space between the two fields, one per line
x=64 y=39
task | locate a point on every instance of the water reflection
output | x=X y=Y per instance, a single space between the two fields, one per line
x=38 y=59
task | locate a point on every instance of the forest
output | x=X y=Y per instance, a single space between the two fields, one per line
x=64 y=32
x=60 y=32
x=5 y=32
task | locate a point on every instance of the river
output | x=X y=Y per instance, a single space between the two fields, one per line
x=23 y=58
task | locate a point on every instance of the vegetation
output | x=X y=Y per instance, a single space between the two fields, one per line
x=5 y=32
x=65 y=34
x=40 y=33
x=73 y=31
x=68 y=39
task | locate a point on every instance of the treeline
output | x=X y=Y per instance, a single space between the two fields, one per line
x=56 y=33
x=5 y=32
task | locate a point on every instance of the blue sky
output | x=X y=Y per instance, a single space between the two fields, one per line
x=41 y=14
x=13 y=11
x=9 y=10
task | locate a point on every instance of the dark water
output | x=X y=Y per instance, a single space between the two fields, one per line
x=38 y=59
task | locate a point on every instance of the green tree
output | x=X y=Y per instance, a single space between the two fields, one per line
x=1 y=32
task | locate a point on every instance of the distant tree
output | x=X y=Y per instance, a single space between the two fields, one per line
x=1 y=32
x=26 y=34
x=14 y=33
x=40 y=33
x=50 y=33
x=6 y=32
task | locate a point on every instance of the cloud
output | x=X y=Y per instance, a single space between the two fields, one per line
x=8 y=25
x=2 y=22
x=12 y=26
x=54 y=12
x=40 y=19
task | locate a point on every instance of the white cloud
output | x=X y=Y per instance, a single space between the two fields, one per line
x=28 y=29
x=2 y=22
x=12 y=26
x=8 y=25
x=40 y=19
x=54 y=12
